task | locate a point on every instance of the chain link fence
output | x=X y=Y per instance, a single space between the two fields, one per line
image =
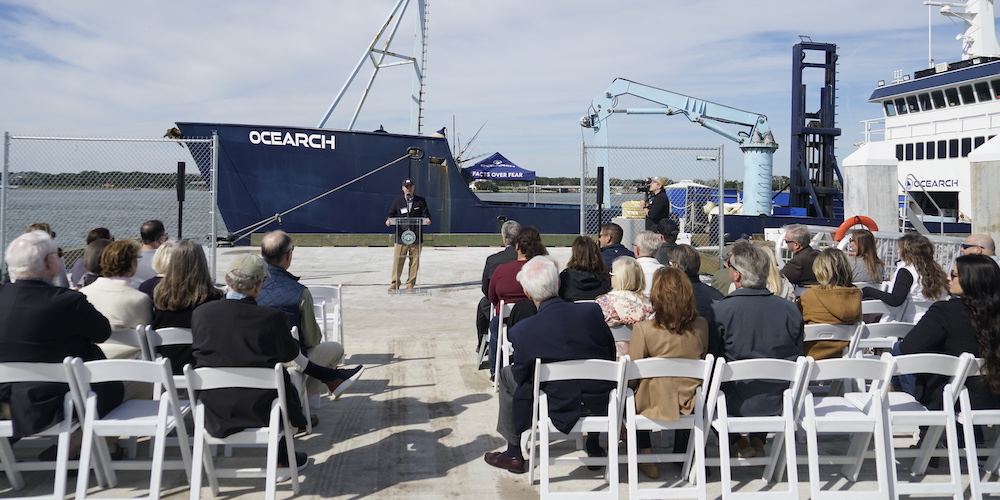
x=693 y=175
x=78 y=184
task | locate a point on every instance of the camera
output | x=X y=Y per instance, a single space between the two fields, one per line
x=642 y=185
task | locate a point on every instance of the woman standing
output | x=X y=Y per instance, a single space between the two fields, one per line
x=625 y=304
x=836 y=301
x=585 y=276
x=676 y=331
x=969 y=323
x=657 y=205
x=918 y=278
x=865 y=264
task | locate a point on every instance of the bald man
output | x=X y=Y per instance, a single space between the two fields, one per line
x=980 y=244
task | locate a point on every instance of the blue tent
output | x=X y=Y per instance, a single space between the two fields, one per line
x=496 y=167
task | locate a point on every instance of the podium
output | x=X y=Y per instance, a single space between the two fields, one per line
x=409 y=232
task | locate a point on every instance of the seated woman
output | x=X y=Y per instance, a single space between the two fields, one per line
x=836 y=301
x=124 y=306
x=161 y=259
x=625 y=304
x=504 y=285
x=865 y=265
x=969 y=323
x=186 y=284
x=586 y=275
x=92 y=261
x=676 y=331
x=918 y=278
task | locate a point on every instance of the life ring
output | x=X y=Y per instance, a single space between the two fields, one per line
x=854 y=221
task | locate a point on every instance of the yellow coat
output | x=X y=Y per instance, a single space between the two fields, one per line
x=666 y=398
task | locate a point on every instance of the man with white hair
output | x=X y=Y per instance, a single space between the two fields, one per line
x=43 y=323
x=980 y=244
x=238 y=332
x=560 y=331
x=646 y=245
x=754 y=323
x=799 y=269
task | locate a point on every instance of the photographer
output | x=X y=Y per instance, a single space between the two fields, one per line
x=657 y=206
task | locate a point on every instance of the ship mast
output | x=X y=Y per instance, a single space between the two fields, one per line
x=980 y=35
x=380 y=56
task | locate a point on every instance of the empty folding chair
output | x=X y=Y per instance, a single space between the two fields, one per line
x=544 y=431
x=330 y=298
x=203 y=379
x=694 y=458
x=56 y=373
x=866 y=422
x=484 y=343
x=134 y=417
x=782 y=425
x=969 y=418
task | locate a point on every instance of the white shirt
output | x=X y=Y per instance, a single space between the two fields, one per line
x=649 y=266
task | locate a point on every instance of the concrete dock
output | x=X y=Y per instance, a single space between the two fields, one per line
x=419 y=421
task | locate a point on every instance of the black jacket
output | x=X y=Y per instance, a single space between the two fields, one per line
x=575 y=284
x=659 y=207
x=398 y=209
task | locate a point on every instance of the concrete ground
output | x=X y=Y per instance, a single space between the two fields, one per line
x=419 y=421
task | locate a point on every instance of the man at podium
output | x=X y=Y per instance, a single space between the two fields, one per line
x=408 y=213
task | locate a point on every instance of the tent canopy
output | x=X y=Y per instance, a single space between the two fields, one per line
x=496 y=167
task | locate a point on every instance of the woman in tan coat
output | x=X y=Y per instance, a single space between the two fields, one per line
x=676 y=331
x=836 y=301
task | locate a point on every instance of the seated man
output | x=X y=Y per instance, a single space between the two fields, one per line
x=238 y=332
x=980 y=244
x=799 y=270
x=282 y=290
x=610 y=240
x=40 y=322
x=559 y=331
x=508 y=232
x=646 y=246
x=754 y=323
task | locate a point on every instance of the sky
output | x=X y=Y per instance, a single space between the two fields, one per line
x=525 y=71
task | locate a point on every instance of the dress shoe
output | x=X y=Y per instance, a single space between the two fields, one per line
x=598 y=453
x=649 y=469
x=512 y=464
x=392 y=287
x=742 y=449
x=409 y=286
x=758 y=447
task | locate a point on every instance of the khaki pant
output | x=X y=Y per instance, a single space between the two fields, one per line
x=399 y=254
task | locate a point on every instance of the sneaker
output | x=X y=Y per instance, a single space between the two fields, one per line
x=301 y=462
x=338 y=387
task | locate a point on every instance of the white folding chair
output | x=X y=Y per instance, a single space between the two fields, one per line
x=58 y=373
x=298 y=378
x=544 y=431
x=484 y=343
x=152 y=418
x=838 y=415
x=906 y=414
x=877 y=336
x=694 y=458
x=203 y=379
x=969 y=418
x=505 y=350
x=622 y=333
x=330 y=313
x=782 y=425
x=889 y=313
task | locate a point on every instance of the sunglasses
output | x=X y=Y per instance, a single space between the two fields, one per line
x=966 y=246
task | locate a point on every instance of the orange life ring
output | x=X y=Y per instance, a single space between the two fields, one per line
x=854 y=221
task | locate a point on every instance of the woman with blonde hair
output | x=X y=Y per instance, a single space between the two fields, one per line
x=835 y=301
x=865 y=264
x=625 y=304
x=160 y=262
x=676 y=331
x=918 y=278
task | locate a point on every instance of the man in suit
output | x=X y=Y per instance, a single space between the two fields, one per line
x=409 y=205
x=238 y=332
x=799 y=270
x=40 y=322
x=508 y=231
x=560 y=331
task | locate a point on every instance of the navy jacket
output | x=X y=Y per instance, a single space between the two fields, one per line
x=398 y=209
x=613 y=251
x=281 y=290
x=560 y=331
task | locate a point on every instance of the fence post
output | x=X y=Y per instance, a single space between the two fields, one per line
x=3 y=207
x=215 y=201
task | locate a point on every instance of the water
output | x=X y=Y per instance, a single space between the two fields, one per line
x=558 y=198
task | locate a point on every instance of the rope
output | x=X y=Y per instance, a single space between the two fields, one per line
x=277 y=217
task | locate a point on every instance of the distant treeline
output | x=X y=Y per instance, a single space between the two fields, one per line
x=92 y=179
x=777 y=182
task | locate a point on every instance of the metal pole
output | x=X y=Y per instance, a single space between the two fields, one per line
x=215 y=201
x=600 y=195
x=722 y=202
x=3 y=205
x=180 y=200
x=583 y=187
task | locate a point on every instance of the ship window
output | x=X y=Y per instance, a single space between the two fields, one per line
x=890 y=109
x=953 y=148
x=942 y=149
x=930 y=150
x=978 y=141
x=983 y=92
x=909 y=152
x=918 y=151
x=966 y=146
x=911 y=104
x=996 y=88
x=900 y=106
x=938 y=97
x=952 y=95
x=899 y=152
x=968 y=96
x=925 y=101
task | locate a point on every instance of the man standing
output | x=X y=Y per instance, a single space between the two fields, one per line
x=646 y=245
x=409 y=237
x=799 y=270
x=980 y=244
x=610 y=239
x=282 y=290
x=560 y=331
x=754 y=323
x=508 y=232
x=153 y=234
